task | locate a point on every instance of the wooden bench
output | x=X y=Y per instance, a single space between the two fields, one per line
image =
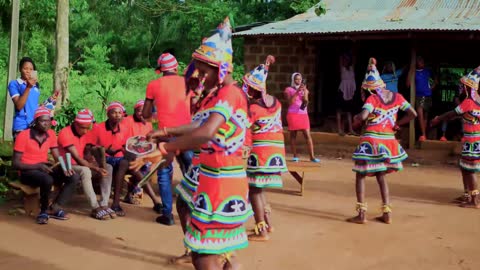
x=31 y=198
x=298 y=170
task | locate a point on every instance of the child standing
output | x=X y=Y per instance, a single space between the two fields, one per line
x=266 y=161
x=379 y=152
x=470 y=160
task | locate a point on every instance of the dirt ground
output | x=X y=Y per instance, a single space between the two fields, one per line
x=427 y=231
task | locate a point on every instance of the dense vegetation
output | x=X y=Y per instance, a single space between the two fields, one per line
x=114 y=43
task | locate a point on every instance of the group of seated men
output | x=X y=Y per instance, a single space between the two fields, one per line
x=31 y=158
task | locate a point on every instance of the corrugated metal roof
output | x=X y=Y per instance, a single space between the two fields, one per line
x=350 y=16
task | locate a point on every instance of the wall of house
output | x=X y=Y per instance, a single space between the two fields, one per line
x=291 y=54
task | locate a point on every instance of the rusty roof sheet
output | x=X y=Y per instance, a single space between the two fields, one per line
x=351 y=16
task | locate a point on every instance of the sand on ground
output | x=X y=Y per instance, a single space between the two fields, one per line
x=427 y=232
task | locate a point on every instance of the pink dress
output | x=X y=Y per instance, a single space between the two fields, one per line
x=297 y=118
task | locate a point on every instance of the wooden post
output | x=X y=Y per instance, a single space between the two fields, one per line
x=60 y=76
x=12 y=70
x=413 y=60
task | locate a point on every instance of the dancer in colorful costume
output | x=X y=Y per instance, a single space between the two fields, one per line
x=221 y=199
x=470 y=160
x=379 y=152
x=266 y=161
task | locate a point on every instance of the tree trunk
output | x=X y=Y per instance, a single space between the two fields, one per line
x=61 y=54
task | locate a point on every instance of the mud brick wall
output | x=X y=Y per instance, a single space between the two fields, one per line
x=292 y=55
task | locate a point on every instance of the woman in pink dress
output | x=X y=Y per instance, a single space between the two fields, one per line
x=297 y=116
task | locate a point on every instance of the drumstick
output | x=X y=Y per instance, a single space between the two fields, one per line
x=54 y=165
x=62 y=163
x=151 y=172
x=68 y=156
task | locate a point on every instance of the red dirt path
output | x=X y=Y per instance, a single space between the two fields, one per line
x=427 y=231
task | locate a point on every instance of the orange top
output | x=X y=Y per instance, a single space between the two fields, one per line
x=266 y=123
x=33 y=151
x=470 y=110
x=103 y=135
x=69 y=137
x=137 y=128
x=171 y=100
x=383 y=116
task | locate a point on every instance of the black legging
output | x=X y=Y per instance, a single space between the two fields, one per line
x=38 y=178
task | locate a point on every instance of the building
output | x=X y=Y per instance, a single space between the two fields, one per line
x=445 y=32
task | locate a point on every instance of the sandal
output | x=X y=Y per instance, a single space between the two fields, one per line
x=118 y=211
x=110 y=212
x=60 y=215
x=100 y=214
x=295 y=159
x=42 y=218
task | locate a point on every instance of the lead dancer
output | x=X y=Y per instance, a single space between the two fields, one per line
x=267 y=158
x=379 y=152
x=221 y=199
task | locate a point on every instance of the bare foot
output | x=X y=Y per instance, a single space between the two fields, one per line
x=360 y=219
x=270 y=229
x=473 y=203
x=385 y=218
x=183 y=259
x=470 y=205
x=461 y=199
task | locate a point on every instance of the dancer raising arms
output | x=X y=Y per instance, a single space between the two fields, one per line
x=379 y=152
x=221 y=199
x=470 y=160
x=267 y=157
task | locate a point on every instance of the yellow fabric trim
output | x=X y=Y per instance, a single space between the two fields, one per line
x=361 y=207
x=227 y=257
x=386 y=208
x=475 y=192
x=261 y=226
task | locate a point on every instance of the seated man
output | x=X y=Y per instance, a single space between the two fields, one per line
x=31 y=159
x=112 y=135
x=137 y=125
x=74 y=139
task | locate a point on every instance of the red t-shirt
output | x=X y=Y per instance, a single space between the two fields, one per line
x=103 y=135
x=69 y=137
x=32 y=151
x=171 y=100
x=137 y=128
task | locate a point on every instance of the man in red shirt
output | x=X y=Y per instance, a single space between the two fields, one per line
x=74 y=139
x=113 y=135
x=169 y=95
x=137 y=125
x=30 y=157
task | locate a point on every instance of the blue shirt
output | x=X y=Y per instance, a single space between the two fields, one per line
x=391 y=80
x=422 y=82
x=23 y=117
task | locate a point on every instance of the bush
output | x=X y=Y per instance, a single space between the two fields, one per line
x=95 y=60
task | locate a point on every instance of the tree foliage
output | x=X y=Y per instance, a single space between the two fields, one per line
x=132 y=33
